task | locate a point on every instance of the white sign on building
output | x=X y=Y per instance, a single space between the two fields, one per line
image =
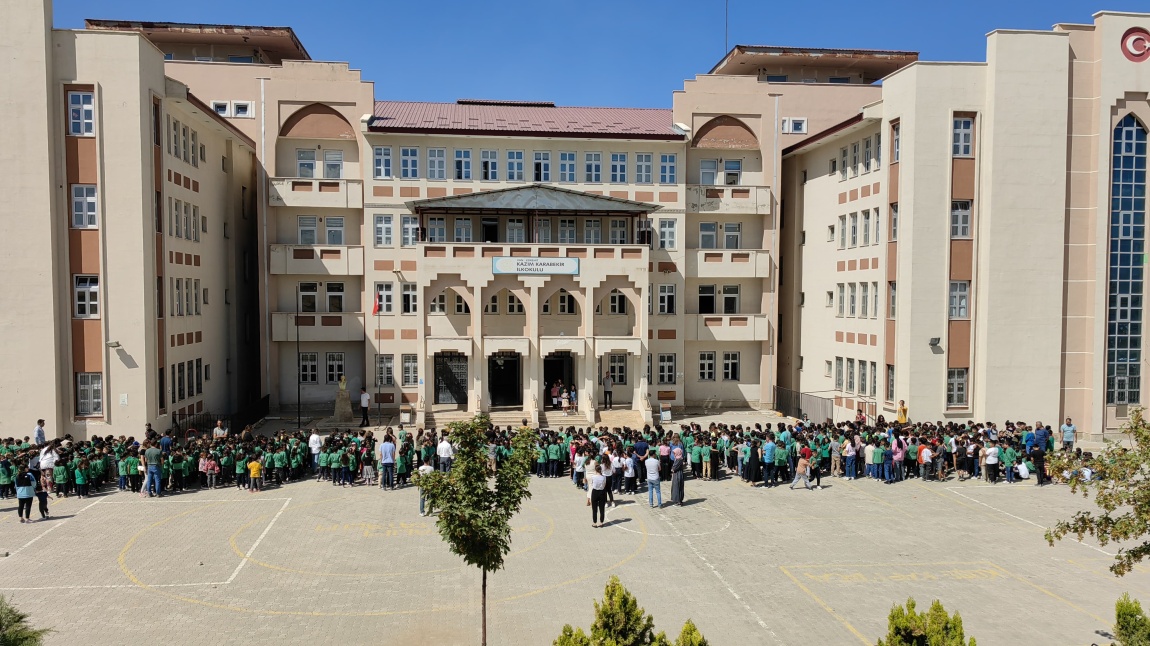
x=535 y=266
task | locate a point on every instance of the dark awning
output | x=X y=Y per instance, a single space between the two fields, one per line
x=539 y=199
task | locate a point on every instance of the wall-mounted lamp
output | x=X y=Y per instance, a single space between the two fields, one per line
x=934 y=341
x=115 y=345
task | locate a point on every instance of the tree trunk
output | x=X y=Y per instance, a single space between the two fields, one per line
x=484 y=607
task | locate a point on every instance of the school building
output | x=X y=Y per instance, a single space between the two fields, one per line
x=220 y=221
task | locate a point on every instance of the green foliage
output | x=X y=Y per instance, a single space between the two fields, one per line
x=474 y=508
x=619 y=621
x=1131 y=625
x=1121 y=489
x=936 y=627
x=15 y=629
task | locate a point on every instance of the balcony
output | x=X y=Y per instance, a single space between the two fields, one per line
x=754 y=200
x=316 y=193
x=727 y=327
x=589 y=261
x=323 y=260
x=318 y=326
x=729 y=263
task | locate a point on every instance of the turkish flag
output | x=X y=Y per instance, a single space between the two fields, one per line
x=375 y=306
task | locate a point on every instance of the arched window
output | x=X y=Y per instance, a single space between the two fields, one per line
x=1126 y=263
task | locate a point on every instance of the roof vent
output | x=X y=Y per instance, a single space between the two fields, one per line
x=512 y=104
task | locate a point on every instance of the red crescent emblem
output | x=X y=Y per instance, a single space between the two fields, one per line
x=1136 y=44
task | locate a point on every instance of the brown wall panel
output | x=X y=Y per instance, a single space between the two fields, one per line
x=891 y=261
x=961 y=259
x=962 y=178
x=888 y=345
x=958 y=344
x=87 y=346
x=80 y=153
x=84 y=251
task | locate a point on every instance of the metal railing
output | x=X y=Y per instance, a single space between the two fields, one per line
x=793 y=403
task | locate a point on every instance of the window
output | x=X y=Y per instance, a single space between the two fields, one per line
x=617 y=367
x=89 y=393
x=855 y=159
x=436 y=229
x=866 y=155
x=732 y=172
x=708 y=235
x=86 y=292
x=175 y=138
x=618 y=231
x=960 y=219
x=838 y=373
x=333 y=227
x=437 y=304
x=409 y=163
x=874 y=295
x=516 y=230
x=831 y=233
x=666 y=368
x=305 y=162
x=642 y=167
x=876 y=229
x=195 y=149
x=436 y=163
x=730 y=366
x=864 y=299
x=963 y=136
x=732 y=235
x=730 y=299
x=1125 y=261
x=307 y=226
x=566 y=231
x=187 y=220
x=592 y=231
x=410 y=370
x=842 y=232
x=514 y=305
x=410 y=298
x=462 y=164
x=618 y=168
x=666 y=299
x=334 y=367
x=461 y=306
x=706 y=366
x=515 y=165
x=83 y=206
x=179 y=296
x=877 y=154
x=894 y=144
x=850 y=375
x=492 y=305
x=222 y=108
x=843 y=164
x=196 y=223
x=891 y=301
x=959 y=299
x=708 y=171
x=956 y=387
x=707 y=301
x=541 y=169
x=309 y=367
x=854 y=238
x=410 y=231
x=178 y=381
x=385 y=370
x=242 y=109
x=830 y=299
x=543 y=230
x=795 y=125
x=196 y=295
x=666 y=234
x=184 y=142
x=851 y=307
x=463 y=229
x=567 y=303
x=866 y=228
x=190 y=369
x=81 y=114
x=839 y=79
x=842 y=298
x=667 y=171
x=873 y=379
x=827 y=368
x=566 y=167
x=308 y=296
x=382 y=162
x=776 y=78
x=893 y=222
x=489 y=165
x=862 y=378
x=593 y=167
x=188 y=296
x=889 y=382
x=334 y=297
x=383 y=231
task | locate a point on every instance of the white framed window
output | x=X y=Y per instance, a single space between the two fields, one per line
x=959 y=299
x=188 y=296
x=873 y=379
x=514 y=305
x=84 y=206
x=410 y=369
x=566 y=166
x=304 y=162
x=593 y=168
x=866 y=155
x=515 y=165
x=963 y=138
x=307 y=226
x=794 y=125
x=668 y=168
x=643 y=166
x=708 y=172
x=618 y=231
x=708 y=235
x=855 y=159
x=862 y=378
x=196 y=295
x=492 y=305
x=842 y=298
x=706 y=366
x=567 y=304
x=86 y=297
x=732 y=235
x=666 y=299
x=463 y=229
x=854 y=233
x=667 y=233
x=222 y=108
x=877 y=160
x=175 y=138
x=566 y=231
x=195 y=149
x=409 y=163
x=334 y=361
x=889 y=382
x=436 y=163
x=667 y=368
x=894 y=222
x=309 y=367
x=707 y=299
x=333 y=228
x=187 y=220
x=960 y=219
x=864 y=300
x=308 y=297
x=850 y=375
x=730 y=299
x=876 y=238
x=842 y=232
x=956 y=387
x=489 y=165
x=409 y=294
x=617 y=367
x=866 y=228
x=891 y=299
x=543 y=230
x=179 y=293
x=242 y=110
x=592 y=231
x=616 y=302
x=437 y=229
x=385 y=369
x=195 y=223
x=838 y=373
x=462 y=164
x=618 y=168
x=851 y=303
x=89 y=394
x=874 y=295
x=81 y=114
x=437 y=304
x=894 y=143
x=184 y=143
x=461 y=306
x=383 y=230
x=516 y=230
x=731 y=366
x=827 y=369
x=334 y=297
x=843 y=164
x=382 y=162
x=541 y=167
x=409 y=234
x=830 y=299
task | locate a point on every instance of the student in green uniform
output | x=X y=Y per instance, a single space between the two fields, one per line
x=82 y=474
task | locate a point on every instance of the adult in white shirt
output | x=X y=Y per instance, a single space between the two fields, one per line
x=927 y=461
x=424 y=470
x=315 y=443
x=654 y=487
x=446 y=454
x=607 y=468
x=597 y=487
x=990 y=459
x=38 y=435
x=364 y=407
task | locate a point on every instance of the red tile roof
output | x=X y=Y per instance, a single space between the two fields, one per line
x=476 y=117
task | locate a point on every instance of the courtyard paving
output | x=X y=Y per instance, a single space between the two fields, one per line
x=311 y=563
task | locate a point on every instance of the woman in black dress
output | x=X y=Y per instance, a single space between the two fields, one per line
x=678 y=493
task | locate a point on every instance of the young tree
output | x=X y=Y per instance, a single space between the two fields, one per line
x=475 y=505
x=691 y=636
x=936 y=627
x=15 y=629
x=1131 y=625
x=619 y=621
x=1121 y=485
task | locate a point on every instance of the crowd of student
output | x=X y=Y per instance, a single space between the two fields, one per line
x=603 y=462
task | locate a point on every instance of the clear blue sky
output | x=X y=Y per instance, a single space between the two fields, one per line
x=589 y=52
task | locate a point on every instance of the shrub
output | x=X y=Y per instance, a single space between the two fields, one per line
x=936 y=627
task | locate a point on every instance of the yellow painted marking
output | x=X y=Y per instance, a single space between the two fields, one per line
x=824 y=606
x=1105 y=622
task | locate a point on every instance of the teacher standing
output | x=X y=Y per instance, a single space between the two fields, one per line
x=608 y=383
x=678 y=493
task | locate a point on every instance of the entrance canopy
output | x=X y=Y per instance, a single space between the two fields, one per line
x=534 y=199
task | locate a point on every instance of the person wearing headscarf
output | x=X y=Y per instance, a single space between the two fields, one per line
x=678 y=494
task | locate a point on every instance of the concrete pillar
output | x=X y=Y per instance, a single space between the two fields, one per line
x=477 y=366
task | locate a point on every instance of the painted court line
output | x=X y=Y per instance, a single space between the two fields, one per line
x=198 y=501
x=824 y=606
x=1028 y=522
x=107 y=587
x=257 y=543
x=51 y=529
